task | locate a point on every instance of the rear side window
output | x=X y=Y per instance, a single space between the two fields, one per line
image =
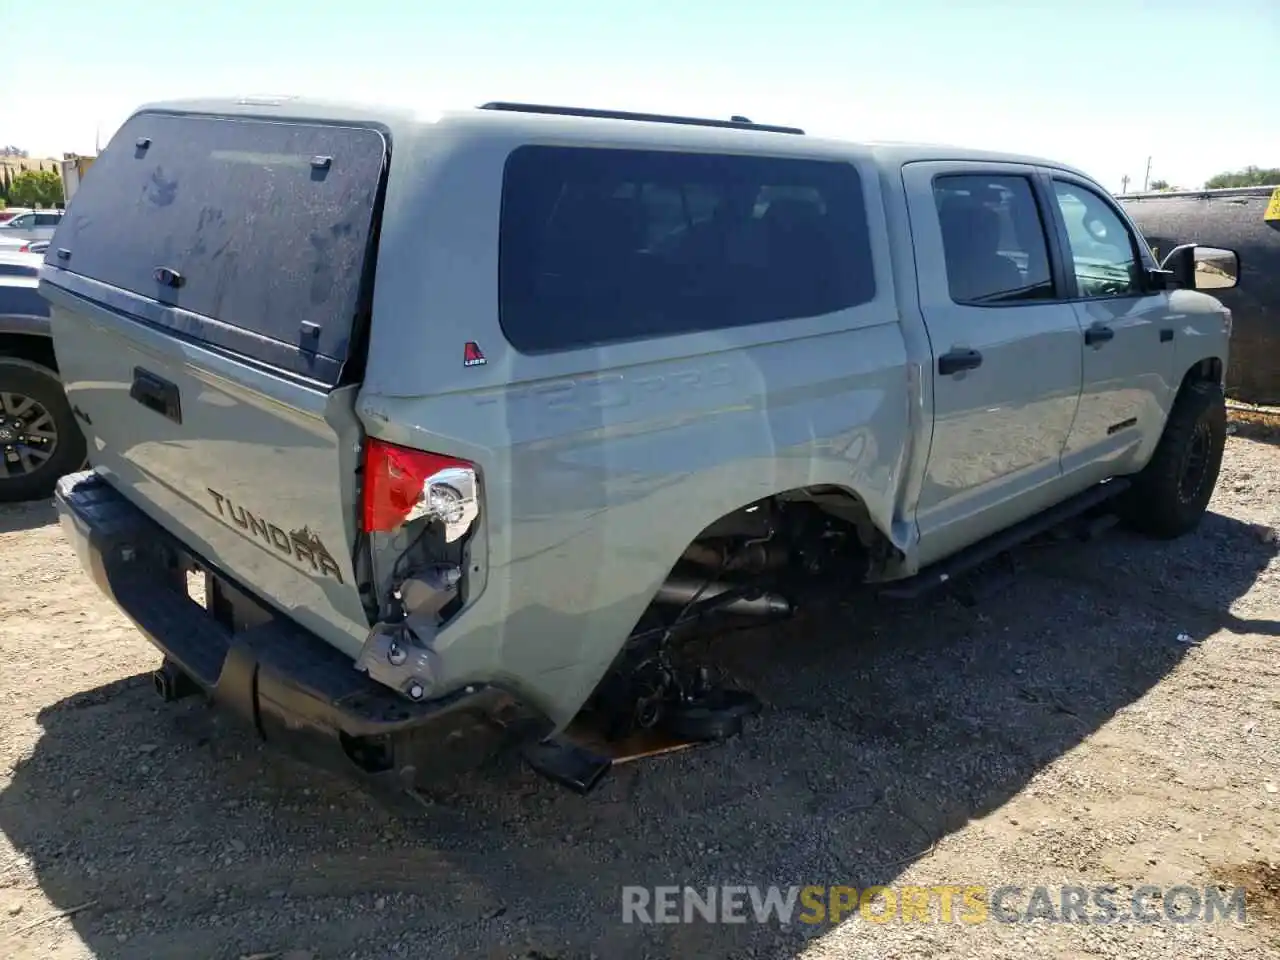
x=993 y=239
x=601 y=246
x=265 y=224
x=47 y=219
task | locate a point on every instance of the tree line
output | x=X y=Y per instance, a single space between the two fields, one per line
x=30 y=188
x=1248 y=177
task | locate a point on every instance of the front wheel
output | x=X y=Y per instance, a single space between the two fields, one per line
x=1172 y=492
x=39 y=437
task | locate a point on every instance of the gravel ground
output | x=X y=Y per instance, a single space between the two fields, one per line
x=1111 y=717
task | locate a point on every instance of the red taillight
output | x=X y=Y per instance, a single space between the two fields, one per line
x=400 y=483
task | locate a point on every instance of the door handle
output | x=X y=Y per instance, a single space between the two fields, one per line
x=169 y=277
x=957 y=361
x=1098 y=334
x=156 y=393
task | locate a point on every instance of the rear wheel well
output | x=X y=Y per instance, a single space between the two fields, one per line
x=35 y=349
x=808 y=525
x=759 y=560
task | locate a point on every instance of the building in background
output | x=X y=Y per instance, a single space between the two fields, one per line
x=73 y=167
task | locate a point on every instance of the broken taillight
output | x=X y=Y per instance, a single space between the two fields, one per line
x=401 y=484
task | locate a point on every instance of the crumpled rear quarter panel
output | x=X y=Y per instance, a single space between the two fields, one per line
x=595 y=484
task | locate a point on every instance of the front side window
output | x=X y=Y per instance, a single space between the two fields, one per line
x=23 y=222
x=1103 y=253
x=993 y=240
x=602 y=246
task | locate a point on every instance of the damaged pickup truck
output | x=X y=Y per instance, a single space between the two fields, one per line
x=457 y=413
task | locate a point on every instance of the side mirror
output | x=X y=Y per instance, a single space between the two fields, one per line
x=1194 y=267
x=1215 y=268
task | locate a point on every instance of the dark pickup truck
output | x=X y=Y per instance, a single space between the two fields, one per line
x=39 y=437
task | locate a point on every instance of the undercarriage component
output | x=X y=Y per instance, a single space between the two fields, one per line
x=755 y=556
x=581 y=756
x=172 y=684
x=567 y=763
x=682 y=591
x=715 y=714
x=790 y=540
x=656 y=686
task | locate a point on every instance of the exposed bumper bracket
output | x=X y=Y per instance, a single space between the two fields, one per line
x=294 y=688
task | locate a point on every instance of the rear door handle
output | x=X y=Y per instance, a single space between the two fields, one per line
x=156 y=393
x=169 y=277
x=1098 y=334
x=957 y=361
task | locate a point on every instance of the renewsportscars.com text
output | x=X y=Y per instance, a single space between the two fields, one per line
x=973 y=904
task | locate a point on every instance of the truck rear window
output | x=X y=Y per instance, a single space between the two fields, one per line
x=258 y=229
x=604 y=245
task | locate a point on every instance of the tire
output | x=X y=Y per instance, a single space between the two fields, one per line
x=31 y=397
x=1172 y=492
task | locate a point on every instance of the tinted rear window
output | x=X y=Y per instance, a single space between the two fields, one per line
x=266 y=223
x=601 y=246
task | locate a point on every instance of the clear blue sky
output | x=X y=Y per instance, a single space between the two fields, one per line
x=1193 y=83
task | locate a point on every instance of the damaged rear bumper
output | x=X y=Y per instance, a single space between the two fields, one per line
x=295 y=689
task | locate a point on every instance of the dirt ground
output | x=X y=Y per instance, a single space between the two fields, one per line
x=1111 y=717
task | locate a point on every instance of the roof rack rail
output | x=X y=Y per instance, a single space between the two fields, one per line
x=736 y=123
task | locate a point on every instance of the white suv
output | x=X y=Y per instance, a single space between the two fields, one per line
x=35 y=225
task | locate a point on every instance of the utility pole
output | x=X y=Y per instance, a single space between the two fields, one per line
x=1124 y=184
x=1146 y=177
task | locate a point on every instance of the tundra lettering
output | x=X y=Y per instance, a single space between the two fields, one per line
x=302 y=545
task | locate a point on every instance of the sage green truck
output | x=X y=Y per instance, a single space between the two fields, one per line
x=457 y=412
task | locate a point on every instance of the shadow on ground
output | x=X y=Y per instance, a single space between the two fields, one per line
x=886 y=727
x=15 y=517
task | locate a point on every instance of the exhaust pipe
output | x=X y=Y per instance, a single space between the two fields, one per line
x=757 y=556
x=680 y=591
x=172 y=684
